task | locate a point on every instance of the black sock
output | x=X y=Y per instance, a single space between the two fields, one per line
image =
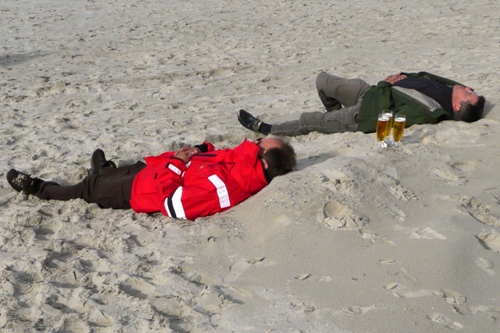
x=265 y=128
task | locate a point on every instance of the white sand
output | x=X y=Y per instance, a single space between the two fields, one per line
x=358 y=239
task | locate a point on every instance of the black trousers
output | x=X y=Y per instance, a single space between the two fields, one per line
x=111 y=188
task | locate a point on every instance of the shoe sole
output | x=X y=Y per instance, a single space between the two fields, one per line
x=254 y=128
x=97 y=161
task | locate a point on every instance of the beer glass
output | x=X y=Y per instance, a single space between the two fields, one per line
x=382 y=124
x=388 y=113
x=398 y=127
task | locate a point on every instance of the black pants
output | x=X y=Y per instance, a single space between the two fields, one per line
x=111 y=188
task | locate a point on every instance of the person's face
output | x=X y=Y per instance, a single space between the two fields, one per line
x=265 y=144
x=462 y=94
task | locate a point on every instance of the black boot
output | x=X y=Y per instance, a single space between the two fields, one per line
x=252 y=123
x=98 y=162
x=22 y=182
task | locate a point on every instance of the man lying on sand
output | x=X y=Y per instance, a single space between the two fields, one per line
x=353 y=105
x=189 y=183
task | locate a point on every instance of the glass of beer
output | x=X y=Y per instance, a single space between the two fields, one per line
x=382 y=124
x=388 y=113
x=398 y=127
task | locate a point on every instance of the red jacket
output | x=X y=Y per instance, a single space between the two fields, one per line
x=211 y=182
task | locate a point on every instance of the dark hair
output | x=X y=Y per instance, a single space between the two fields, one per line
x=279 y=161
x=470 y=112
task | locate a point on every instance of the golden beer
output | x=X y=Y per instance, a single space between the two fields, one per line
x=398 y=127
x=391 y=122
x=382 y=124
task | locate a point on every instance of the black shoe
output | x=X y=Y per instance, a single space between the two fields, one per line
x=98 y=162
x=248 y=121
x=22 y=182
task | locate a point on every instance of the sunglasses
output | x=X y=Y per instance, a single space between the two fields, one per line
x=257 y=142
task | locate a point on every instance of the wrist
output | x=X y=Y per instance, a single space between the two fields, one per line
x=179 y=158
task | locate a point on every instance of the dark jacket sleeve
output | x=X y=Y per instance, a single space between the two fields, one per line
x=427 y=75
x=375 y=100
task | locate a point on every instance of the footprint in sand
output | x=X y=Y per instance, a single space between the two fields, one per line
x=490 y=240
x=357 y=310
x=72 y=324
x=339 y=216
x=233 y=294
x=426 y=233
x=187 y=274
x=375 y=238
x=136 y=287
x=302 y=277
x=454 y=297
x=397 y=213
x=236 y=270
x=171 y=306
x=416 y=293
x=402 y=193
x=51 y=89
x=465 y=165
x=485 y=265
x=450 y=296
x=212 y=302
x=302 y=306
x=449 y=177
x=489 y=309
x=48 y=227
x=445 y=321
x=101 y=319
x=222 y=72
x=20 y=282
x=479 y=211
x=240 y=267
x=392 y=267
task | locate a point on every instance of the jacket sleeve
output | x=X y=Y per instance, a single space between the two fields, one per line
x=375 y=100
x=167 y=182
x=202 y=198
x=434 y=77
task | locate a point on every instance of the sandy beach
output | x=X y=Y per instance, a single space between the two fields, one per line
x=356 y=239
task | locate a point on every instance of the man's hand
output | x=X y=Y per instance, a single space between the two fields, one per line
x=395 y=78
x=185 y=153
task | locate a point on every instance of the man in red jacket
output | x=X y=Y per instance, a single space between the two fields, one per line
x=188 y=183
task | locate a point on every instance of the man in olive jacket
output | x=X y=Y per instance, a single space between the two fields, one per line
x=353 y=105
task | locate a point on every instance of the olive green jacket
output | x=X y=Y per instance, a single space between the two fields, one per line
x=418 y=108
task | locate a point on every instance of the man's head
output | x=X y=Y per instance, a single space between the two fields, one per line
x=277 y=156
x=467 y=104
